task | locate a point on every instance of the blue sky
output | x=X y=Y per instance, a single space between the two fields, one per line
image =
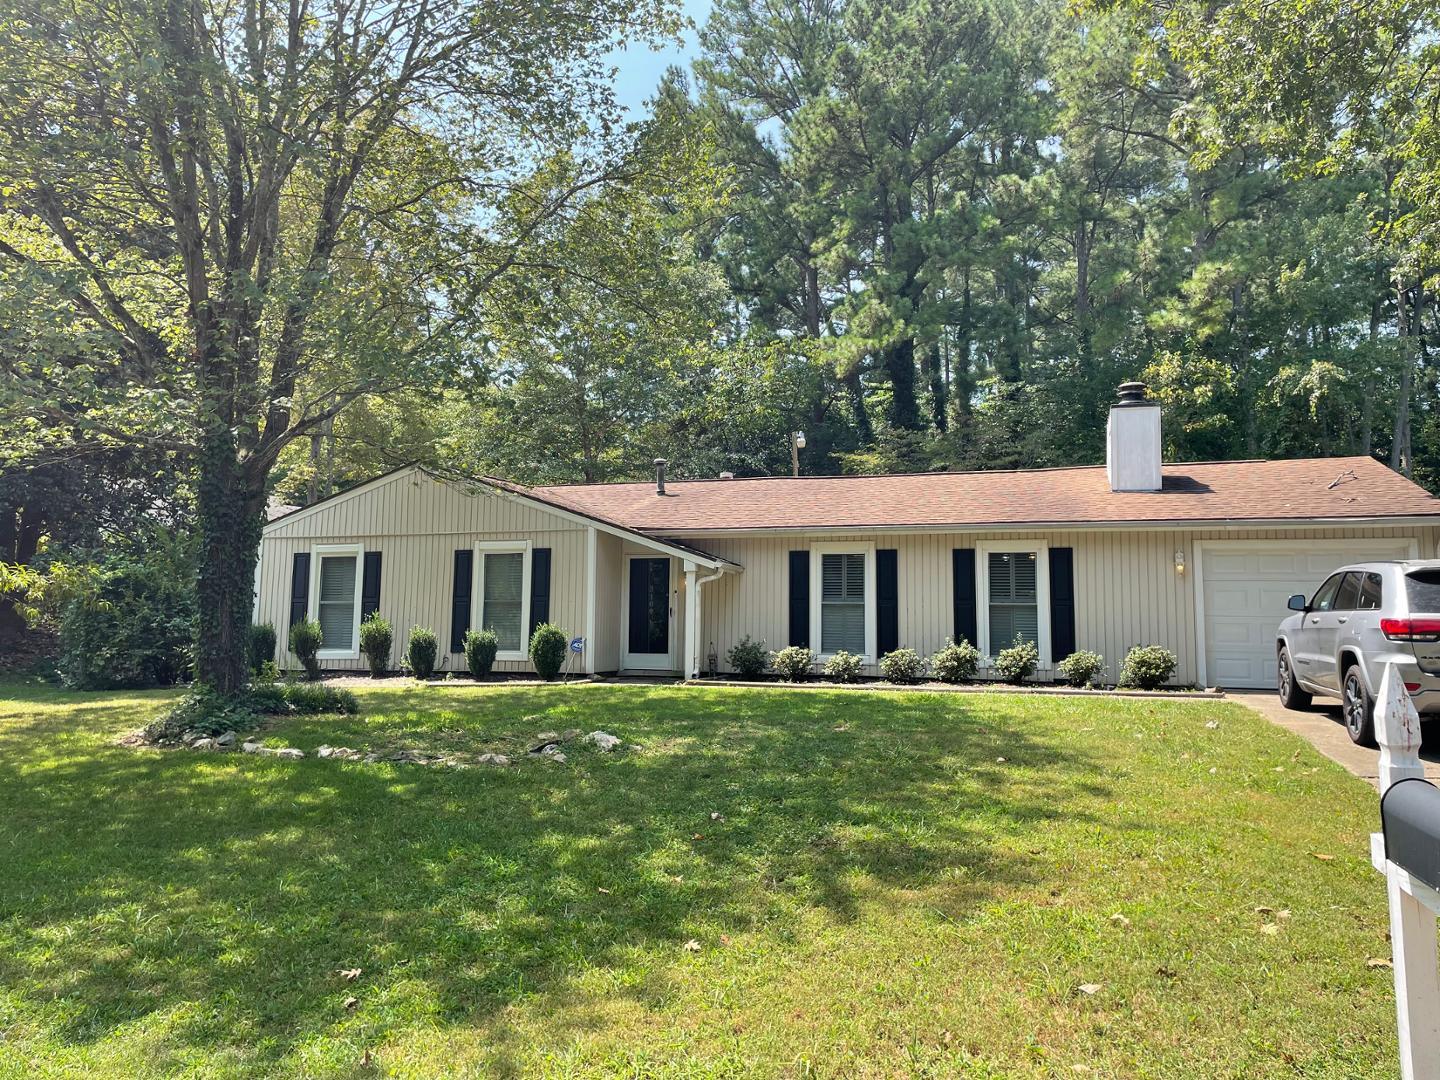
x=640 y=68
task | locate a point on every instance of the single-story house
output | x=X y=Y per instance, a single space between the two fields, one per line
x=658 y=576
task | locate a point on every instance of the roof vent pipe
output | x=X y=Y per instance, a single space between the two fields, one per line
x=1132 y=441
x=727 y=475
x=659 y=476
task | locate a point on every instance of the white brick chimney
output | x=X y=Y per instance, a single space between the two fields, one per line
x=1132 y=441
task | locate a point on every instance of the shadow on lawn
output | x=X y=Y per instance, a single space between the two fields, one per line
x=137 y=881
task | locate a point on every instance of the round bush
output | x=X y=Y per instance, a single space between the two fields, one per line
x=793 y=663
x=376 y=637
x=955 y=663
x=1017 y=663
x=480 y=649
x=420 y=652
x=748 y=657
x=1147 y=667
x=260 y=647
x=547 y=650
x=1081 y=668
x=902 y=666
x=844 y=667
x=305 y=638
x=137 y=629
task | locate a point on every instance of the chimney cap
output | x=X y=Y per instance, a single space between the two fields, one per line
x=727 y=475
x=659 y=476
x=1133 y=393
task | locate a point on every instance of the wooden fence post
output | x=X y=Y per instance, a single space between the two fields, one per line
x=1413 y=906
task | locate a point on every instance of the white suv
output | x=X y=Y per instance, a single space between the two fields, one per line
x=1363 y=617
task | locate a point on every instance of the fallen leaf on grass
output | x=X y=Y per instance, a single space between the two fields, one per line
x=1212 y=724
x=1262 y=910
x=698 y=836
x=349 y=974
x=1088 y=988
x=1283 y=913
x=351 y=1002
x=366 y=1061
x=1120 y=920
x=1378 y=962
x=601 y=889
x=1322 y=858
x=691 y=946
x=1270 y=928
x=715 y=815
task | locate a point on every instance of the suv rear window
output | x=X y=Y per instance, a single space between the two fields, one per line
x=1422 y=588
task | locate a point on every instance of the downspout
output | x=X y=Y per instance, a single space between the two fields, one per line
x=692 y=662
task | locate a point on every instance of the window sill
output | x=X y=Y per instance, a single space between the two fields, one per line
x=512 y=656
x=338 y=654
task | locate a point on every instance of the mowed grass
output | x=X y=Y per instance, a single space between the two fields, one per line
x=881 y=894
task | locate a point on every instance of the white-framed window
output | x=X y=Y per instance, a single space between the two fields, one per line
x=502 y=594
x=842 y=599
x=335 y=588
x=1012 y=585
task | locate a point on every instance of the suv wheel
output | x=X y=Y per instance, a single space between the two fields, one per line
x=1291 y=696
x=1357 y=708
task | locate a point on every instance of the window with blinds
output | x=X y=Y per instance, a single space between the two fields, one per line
x=1013 y=605
x=502 y=604
x=842 y=602
x=336 y=601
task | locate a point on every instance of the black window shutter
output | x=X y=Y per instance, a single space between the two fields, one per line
x=370 y=590
x=967 y=628
x=299 y=587
x=460 y=599
x=539 y=590
x=887 y=600
x=800 y=598
x=1062 y=602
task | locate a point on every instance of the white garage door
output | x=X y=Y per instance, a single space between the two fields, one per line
x=1245 y=587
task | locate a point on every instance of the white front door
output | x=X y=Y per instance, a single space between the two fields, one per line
x=648 y=625
x=1243 y=592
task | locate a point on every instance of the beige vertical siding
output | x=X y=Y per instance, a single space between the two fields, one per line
x=1127 y=590
x=606 y=646
x=418 y=523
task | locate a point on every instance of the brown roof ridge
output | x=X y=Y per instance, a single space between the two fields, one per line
x=931 y=472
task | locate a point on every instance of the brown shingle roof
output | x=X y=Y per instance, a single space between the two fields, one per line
x=1311 y=489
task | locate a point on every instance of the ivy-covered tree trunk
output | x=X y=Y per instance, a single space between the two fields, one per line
x=229 y=505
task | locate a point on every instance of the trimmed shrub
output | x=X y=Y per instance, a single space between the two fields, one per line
x=902 y=666
x=480 y=649
x=305 y=638
x=748 y=657
x=376 y=638
x=420 y=652
x=1081 y=668
x=843 y=667
x=1017 y=663
x=547 y=650
x=955 y=662
x=1147 y=667
x=312 y=698
x=793 y=663
x=260 y=647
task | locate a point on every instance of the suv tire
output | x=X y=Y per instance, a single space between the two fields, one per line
x=1291 y=696
x=1356 y=708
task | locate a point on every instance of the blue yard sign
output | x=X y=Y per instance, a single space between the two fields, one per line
x=577 y=644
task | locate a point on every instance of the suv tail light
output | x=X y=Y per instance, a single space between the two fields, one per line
x=1411 y=629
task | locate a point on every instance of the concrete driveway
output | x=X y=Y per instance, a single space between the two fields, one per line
x=1322 y=727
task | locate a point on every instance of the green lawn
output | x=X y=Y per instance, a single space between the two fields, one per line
x=882 y=895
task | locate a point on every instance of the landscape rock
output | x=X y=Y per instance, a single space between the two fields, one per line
x=191 y=737
x=555 y=754
x=569 y=734
x=251 y=747
x=225 y=741
x=203 y=744
x=340 y=753
x=493 y=759
x=603 y=740
x=290 y=753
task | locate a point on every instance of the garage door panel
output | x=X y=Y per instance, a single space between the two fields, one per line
x=1245 y=593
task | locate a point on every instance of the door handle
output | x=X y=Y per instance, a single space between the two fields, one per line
x=1342 y=619
x=1315 y=618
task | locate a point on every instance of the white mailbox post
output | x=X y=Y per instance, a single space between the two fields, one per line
x=1414 y=904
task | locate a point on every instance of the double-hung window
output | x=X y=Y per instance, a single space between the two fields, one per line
x=1015 y=581
x=502 y=588
x=335 y=599
x=843 y=599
